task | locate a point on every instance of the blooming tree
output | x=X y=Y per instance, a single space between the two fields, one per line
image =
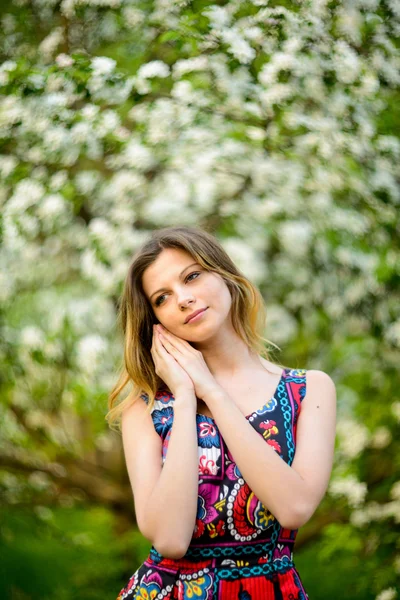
x=272 y=124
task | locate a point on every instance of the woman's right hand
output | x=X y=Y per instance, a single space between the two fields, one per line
x=168 y=369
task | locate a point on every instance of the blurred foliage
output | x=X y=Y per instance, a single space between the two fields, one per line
x=68 y=552
x=275 y=126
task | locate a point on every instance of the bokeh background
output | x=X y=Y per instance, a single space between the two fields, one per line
x=275 y=125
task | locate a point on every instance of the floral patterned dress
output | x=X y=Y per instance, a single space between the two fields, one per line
x=238 y=549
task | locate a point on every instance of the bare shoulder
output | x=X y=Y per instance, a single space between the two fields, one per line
x=137 y=408
x=137 y=425
x=315 y=378
x=320 y=390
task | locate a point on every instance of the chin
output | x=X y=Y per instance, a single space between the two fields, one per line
x=202 y=336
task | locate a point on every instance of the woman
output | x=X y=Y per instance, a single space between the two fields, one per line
x=228 y=454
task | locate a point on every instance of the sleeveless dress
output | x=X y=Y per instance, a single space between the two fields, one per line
x=238 y=549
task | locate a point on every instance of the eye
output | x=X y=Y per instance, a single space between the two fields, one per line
x=194 y=273
x=159 y=299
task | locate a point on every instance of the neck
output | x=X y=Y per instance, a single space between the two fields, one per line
x=226 y=354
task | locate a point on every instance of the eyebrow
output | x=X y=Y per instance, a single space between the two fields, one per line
x=180 y=275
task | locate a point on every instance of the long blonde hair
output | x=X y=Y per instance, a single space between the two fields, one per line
x=136 y=317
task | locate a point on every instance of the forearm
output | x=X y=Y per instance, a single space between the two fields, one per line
x=173 y=503
x=279 y=487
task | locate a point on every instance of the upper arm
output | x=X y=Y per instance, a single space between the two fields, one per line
x=143 y=451
x=315 y=437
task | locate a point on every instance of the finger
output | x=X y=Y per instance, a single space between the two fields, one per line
x=178 y=343
x=160 y=348
x=169 y=346
x=157 y=347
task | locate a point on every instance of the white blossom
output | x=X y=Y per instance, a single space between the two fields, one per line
x=124 y=183
x=101 y=228
x=395 y=491
x=154 y=68
x=183 y=66
x=55 y=138
x=52 y=206
x=295 y=237
x=359 y=517
x=276 y=94
x=395 y=7
x=63 y=60
x=137 y=155
x=8 y=65
x=5 y=68
x=255 y=34
x=353 y=437
x=32 y=337
x=27 y=192
x=218 y=15
x=395 y=408
x=108 y=122
x=49 y=45
x=7 y=165
x=245 y=257
x=90 y=111
x=86 y=181
x=183 y=91
x=58 y=180
x=239 y=47
x=350 y=23
x=392 y=333
x=90 y=350
x=80 y=132
x=103 y=65
x=354 y=490
x=133 y=16
x=346 y=62
x=381 y=437
x=281 y=326
x=96 y=272
x=388 y=594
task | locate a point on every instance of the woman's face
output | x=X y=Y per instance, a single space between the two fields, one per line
x=177 y=286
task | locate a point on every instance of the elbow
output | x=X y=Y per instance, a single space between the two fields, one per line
x=170 y=551
x=296 y=517
x=179 y=553
x=166 y=549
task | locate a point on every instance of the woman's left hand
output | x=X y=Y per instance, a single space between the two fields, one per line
x=191 y=360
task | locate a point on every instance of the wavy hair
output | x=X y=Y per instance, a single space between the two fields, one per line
x=136 y=316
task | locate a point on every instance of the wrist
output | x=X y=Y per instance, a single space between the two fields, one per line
x=185 y=395
x=182 y=390
x=184 y=406
x=211 y=393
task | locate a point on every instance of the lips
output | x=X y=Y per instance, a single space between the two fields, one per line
x=196 y=312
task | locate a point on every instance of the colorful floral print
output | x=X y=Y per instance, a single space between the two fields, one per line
x=238 y=549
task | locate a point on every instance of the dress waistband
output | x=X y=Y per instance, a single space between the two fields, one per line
x=232 y=560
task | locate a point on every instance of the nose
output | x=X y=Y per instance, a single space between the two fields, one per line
x=184 y=301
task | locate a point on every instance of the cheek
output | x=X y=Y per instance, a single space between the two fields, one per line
x=216 y=285
x=227 y=299
x=220 y=295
